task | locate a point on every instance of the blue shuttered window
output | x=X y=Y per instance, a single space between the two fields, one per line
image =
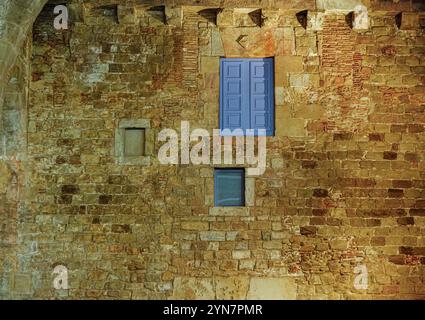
x=229 y=187
x=247 y=94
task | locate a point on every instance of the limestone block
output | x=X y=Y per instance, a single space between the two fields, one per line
x=193 y=289
x=344 y=5
x=311 y=80
x=291 y=127
x=284 y=41
x=241 y=254
x=251 y=42
x=231 y=288
x=289 y=64
x=216 y=43
x=212 y=236
x=272 y=289
x=195 y=225
x=231 y=235
x=299 y=80
x=277 y=163
x=210 y=64
x=225 y=18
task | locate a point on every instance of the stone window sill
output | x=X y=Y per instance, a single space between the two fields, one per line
x=229 y=211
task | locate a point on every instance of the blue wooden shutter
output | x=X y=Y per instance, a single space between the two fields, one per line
x=229 y=187
x=234 y=94
x=262 y=95
x=247 y=94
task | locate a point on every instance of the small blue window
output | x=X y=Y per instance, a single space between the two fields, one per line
x=247 y=95
x=229 y=187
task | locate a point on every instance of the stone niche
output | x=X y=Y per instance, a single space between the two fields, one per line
x=134 y=142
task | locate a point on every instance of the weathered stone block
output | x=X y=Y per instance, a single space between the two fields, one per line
x=231 y=288
x=284 y=41
x=272 y=289
x=293 y=64
x=195 y=225
x=345 y=5
x=210 y=64
x=216 y=43
x=241 y=254
x=212 y=236
x=291 y=127
x=225 y=18
x=193 y=289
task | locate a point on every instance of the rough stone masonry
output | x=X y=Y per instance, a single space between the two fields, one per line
x=345 y=179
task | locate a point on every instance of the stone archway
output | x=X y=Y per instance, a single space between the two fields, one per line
x=16 y=20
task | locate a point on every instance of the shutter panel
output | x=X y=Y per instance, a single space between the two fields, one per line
x=247 y=94
x=234 y=92
x=262 y=95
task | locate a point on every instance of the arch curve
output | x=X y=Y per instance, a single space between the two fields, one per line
x=16 y=19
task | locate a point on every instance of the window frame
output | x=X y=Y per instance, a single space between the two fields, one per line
x=243 y=186
x=121 y=158
x=272 y=131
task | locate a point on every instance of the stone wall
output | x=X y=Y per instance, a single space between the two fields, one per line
x=344 y=184
x=12 y=169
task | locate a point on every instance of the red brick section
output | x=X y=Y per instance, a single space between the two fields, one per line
x=344 y=74
x=190 y=49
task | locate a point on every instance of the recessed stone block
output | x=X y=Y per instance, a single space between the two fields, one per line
x=134 y=142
